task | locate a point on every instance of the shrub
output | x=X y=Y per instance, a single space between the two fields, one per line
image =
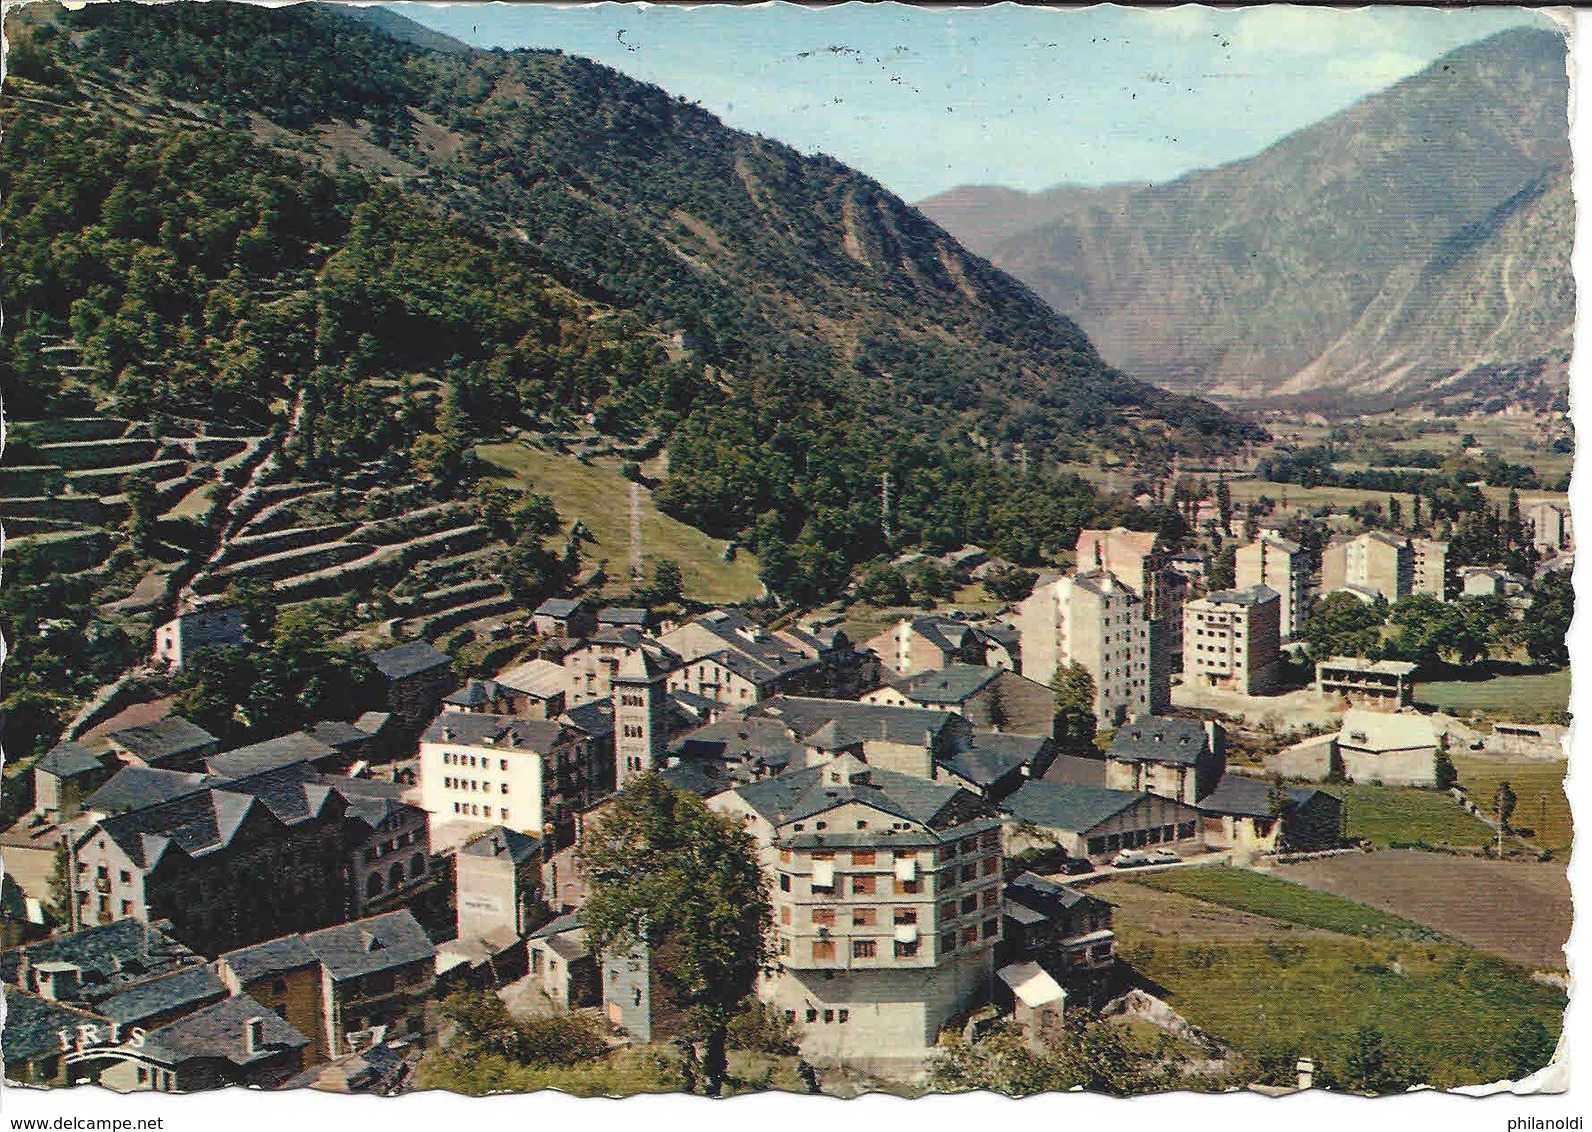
x=761 y=1028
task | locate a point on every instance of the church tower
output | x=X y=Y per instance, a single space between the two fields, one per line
x=641 y=730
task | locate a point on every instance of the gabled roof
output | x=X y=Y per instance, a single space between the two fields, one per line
x=623 y=615
x=952 y=685
x=218 y=1032
x=163 y=740
x=475 y=693
x=32 y=1024
x=110 y=956
x=272 y=754
x=1160 y=739
x=754 y=652
x=337 y=733
x=409 y=660
x=186 y=987
x=1046 y=897
x=559 y=607
x=994 y=757
x=269 y=959
x=568 y=922
x=134 y=787
x=539 y=678
x=704 y=779
x=380 y=943
x=504 y=843
x=497 y=732
x=594 y=717
x=1076 y=770
x=804 y=715
x=1060 y=805
x=1243 y=796
x=798 y=795
x=68 y=760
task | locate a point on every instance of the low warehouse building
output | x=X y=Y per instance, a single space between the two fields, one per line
x=1094 y=822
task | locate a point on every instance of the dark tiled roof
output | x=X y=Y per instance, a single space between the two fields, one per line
x=218 y=1032
x=336 y=733
x=189 y=987
x=1254 y=595
x=1059 y=805
x=66 y=760
x=800 y=794
x=162 y=740
x=594 y=717
x=1045 y=896
x=111 y=956
x=802 y=716
x=269 y=959
x=500 y=841
x=380 y=943
x=559 y=606
x=31 y=1024
x=703 y=779
x=568 y=922
x=1159 y=739
x=409 y=660
x=475 y=693
x=272 y=754
x=622 y=615
x=1077 y=770
x=986 y=763
x=372 y=722
x=1243 y=796
x=134 y=787
x=953 y=684
x=501 y=732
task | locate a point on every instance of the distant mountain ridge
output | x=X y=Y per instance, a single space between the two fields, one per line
x=1413 y=247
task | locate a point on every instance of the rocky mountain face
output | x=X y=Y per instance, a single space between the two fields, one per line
x=1413 y=248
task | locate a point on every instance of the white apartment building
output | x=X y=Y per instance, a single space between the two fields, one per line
x=1099 y=622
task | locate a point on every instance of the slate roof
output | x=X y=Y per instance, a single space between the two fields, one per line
x=704 y=779
x=218 y=1032
x=1060 y=805
x=739 y=741
x=67 y=760
x=475 y=693
x=500 y=841
x=807 y=792
x=163 y=740
x=993 y=757
x=952 y=685
x=269 y=959
x=622 y=615
x=187 y=987
x=134 y=787
x=499 y=732
x=1077 y=770
x=31 y=1023
x=408 y=660
x=754 y=652
x=111 y=956
x=272 y=754
x=1243 y=796
x=559 y=607
x=1159 y=739
x=803 y=715
x=1045 y=896
x=372 y=722
x=379 y=943
x=568 y=922
x=337 y=733
x=594 y=717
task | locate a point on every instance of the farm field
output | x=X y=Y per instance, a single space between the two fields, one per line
x=1525 y=698
x=597 y=495
x=1512 y=909
x=1385 y=814
x=1270 y=984
x=1541 y=804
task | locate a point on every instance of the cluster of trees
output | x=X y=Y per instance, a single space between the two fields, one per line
x=1088 y=1053
x=1419 y=473
x=1422 y=629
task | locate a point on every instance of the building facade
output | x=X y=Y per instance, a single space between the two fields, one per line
x=1231 y=640
x=1095 y=620
x=1281 y=565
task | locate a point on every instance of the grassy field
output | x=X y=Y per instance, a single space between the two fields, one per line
x=1385 y=814
x=597 y=495
x=1541 y=804
x=1522 y=698
x=1286 y=983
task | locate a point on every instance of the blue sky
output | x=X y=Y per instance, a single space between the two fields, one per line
x=928 y=98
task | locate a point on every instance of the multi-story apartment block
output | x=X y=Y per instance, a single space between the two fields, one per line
x=1230 y=640
x=887 y=903
x=1281 y=565
x=918 y=644
x=1371 y=564
x=1096 y=620
x=1430 y=567
x=534 y=775
x=1139 y=561
x=1550 y=525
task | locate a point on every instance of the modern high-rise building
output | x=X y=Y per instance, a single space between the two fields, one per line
x=1281 y=565
x=1230 y=640
x=1098 y=621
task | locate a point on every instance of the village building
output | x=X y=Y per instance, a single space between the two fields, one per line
x=1066 y=931
x=1280 y=565
x=1194 y=565
x=565 y=617
x=994 y=764
x=377 y=975
x=283 y=975
x=478 y=771
x=1181 y=759
x=1231 y=641
x=1550 y=525
x=33 y=1050
x=87 y=967
x=561 y=964
x=412 y=679
x=236 y=1041
x=996 y=699
x=1095 y=620
x=498 y=874
x=1138 y=559
x=67 y=775
x=1379 y=685
x=1527 y=740
x=589 y=666
x=731 y=659
x=887 y=904
x=213 y=626
x=625 y=617
x=1256 y=815
x=1388 y=749
x=535 y=688
x=274 y=754
x=172 y=743
x=1096 y=822
x=918 y=644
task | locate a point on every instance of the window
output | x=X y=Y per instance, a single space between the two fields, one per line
x=991 y=927
x=863 y=886
x=784 y=882
x=989 y=866
x=947 y=942
x=864 y=917
x=969 y=873
x=823 y=915
x=909 y=887
x=969 y=904
x=969 y=935
x=812 y=1016
x=845 y=1016
x=829 y=1016
x=906 y=950
x=823 y=949
x=863 y=857
x=987 y=900
x=790 y=1017
x=503 y=765
x=784 y=945
x=784 y=913
x=125 y=877
x=864 y=949
x=906 y=915
x=948 y=910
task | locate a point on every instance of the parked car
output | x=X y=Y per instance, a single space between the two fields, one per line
x=1075 y=866
x=1130 y=859
x=1162 y=857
